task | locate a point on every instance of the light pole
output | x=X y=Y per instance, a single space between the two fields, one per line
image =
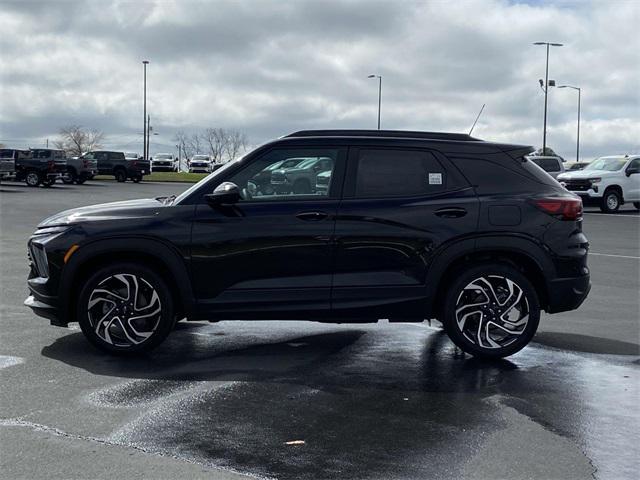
x=379 y=77
x=546 y=89
x=144 y=128
x=578 y=135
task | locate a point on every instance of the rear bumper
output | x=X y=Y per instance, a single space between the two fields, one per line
x=568 y=293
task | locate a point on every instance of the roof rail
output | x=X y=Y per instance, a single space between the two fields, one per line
x=461 y=137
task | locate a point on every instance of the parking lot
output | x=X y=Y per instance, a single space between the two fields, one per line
x=307 y=400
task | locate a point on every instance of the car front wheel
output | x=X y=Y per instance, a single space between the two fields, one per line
x=32 y=179
x=491 y=311
x=611 y=201
x=125 y=309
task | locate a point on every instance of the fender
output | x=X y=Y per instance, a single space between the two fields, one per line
x=165 y=253
x=514 y=243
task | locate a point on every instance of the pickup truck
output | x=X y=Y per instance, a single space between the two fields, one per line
x=43 y=166
x=608 y=182
x=301 y=178
x=115 y=163
x=8 y=160
x=79 y=170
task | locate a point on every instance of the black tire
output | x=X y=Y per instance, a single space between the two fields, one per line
x=151 y=290
x=70 y=176
x=32 y=178
x=136 y=178
x=471 y=287
x=611 y=201
x=81 y=179
x=301 y=187
x=121 y=175
x=636 y=205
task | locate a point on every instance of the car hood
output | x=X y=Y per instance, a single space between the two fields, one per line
x=584 y=174
x=128 y=209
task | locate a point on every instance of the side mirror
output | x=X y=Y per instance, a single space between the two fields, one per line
x=227 y=193
x=631 y=171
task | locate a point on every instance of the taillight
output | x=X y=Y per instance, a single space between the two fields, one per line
x=561 y=207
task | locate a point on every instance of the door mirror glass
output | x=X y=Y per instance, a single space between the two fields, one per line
x=227 y=193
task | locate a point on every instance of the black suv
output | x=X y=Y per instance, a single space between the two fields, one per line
x=116 y=164
x=413 y=226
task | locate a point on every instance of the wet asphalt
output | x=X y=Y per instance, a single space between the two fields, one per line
x=380 y=401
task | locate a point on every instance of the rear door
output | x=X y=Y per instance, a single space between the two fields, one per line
x=400 y=205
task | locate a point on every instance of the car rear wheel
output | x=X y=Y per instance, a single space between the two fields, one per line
x=136 y=178
x=636 y=205
x=611 y=201
x=491 y=311
x=125 y=308
x=32 y=178
x=121 y=176
x=69 y=176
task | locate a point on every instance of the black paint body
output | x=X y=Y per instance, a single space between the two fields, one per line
x=339 y=257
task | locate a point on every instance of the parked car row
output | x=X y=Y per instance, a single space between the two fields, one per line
x=299 y=176
x=44 y=166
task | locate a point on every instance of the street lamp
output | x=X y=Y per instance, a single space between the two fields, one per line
x=546 y=89
x=145 y=153
x=379 y=94
x=578 y=135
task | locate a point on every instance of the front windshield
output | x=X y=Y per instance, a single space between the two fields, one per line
x=163 y=156
x=200 y=157
x=206 y=179
x=607 y=163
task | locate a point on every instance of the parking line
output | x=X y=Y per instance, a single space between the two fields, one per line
x=611 y=255
x=618 y=215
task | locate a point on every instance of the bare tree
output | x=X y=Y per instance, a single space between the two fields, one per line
x=216 y=138
x=236 y=144
x=77 y=140
x=184 y=143
x=196 y=141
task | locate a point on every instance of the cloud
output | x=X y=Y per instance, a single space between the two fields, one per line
x=271 y=67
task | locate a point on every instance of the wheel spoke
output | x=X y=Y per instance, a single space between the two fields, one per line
x=487 y=323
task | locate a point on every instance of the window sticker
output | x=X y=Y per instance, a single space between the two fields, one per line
x=435 y=179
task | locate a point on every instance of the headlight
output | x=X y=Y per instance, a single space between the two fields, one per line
x=37 y=247
x=595 y=180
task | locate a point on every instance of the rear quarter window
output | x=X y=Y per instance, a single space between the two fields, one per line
x=490 y=176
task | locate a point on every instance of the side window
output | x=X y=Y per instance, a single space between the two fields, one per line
x=89 y=156
x=101 y=155
x=116 y=156
x=6 y=153
x=635 y=163
x=507 y=176
x=393 y=173
x=288 y=174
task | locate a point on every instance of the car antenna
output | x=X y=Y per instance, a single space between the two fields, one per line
x=476 y=121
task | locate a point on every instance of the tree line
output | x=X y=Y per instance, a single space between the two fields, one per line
x=219 y=143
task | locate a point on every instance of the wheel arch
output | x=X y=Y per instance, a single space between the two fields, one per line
x=153 y=253
x=520 y=252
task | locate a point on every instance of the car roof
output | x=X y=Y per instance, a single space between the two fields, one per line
x=451 y=142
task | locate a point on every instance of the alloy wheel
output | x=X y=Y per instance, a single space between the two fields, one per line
x=492 y=311
x=33 y=179
x=124 y=310
x=612 y=201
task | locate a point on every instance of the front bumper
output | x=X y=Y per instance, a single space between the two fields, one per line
x=568 y=293
x=45 y=310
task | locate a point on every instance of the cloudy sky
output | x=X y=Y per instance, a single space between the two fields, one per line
x=271 y=67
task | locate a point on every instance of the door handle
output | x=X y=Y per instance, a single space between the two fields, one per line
x=312 y=216
x=451 y=212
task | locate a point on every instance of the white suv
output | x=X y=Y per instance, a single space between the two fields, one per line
x=607 y=181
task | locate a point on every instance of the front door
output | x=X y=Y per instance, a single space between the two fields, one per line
x=399 y=207
x=269 y=253
x=632 y=181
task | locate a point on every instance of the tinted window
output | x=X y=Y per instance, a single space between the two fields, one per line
x=259 y=181
x=41 y=153
x=635 y=163
x=385 y=173
x=506 y=176
x=116 y=156
x=547 y=164
x=6 y=153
